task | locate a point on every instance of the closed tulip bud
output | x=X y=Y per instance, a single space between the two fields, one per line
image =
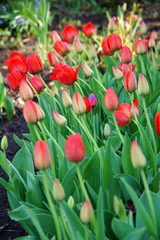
x=74 y=148
x=62 y=47
x=157 y=121
x=154 y=35
x=58 y=191
x=87 y=70
x=69 y=32
x=117 y=207
x=137 y=157
x=36 y=82
x=143 y=27
x=141 y=46
x=55 y=37
x=32 y=112
x=34 y=64
x=40 y=112
x=126 y=54
x=111 y=100
x=112 y=24
x=59 y=119
x=70 y=202
x=66 y=99
x=4 y=143
x=86 y=212
x=88 y=29
x=53 y=59
x=14 y=79
x=117 y=73
x=78 y=46
x=130 y=83
x=42 y=155
x=92 y=51
x=151 y=42
x=25 y=91
x=78 y=104
x=107 y=130
x=143 y=87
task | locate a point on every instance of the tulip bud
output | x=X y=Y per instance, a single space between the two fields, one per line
x=130 y=83
x=107 y=130
x=78 y=46
x=53 y=59
x=117 y=73
x=55 y=37
x=137 y=157
x=92 y=51
x=87 y=70
x=25 y=91
x=32 y=112
x=34 y=64
x=143 y=27
x=111 y=100
x=116 y=204
x=71 y=202
x=4 y=143
x=141 y=46
x=74 y=148
x=66 y=99
x=36 y=82
x=40 y=113
x=59 y=119
x=86 y=212
x=143 y=88
x=58 y=191
x=42 y=155
x=151 y=42
x=112 y=24
x=78 y=104
x=126 y=54
x=154 y=35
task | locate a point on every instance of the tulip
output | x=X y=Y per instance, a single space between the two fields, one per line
x=25 y=91
x=71 y=202
x=107 y=130
x=117 y=73
x=154 y=35
x=59 y=119
x=78 y=104
x=53 y=59
x=74 y=148
x=123 y=68
x=16 y=62
x=87 y=70
x=42 y=155
x=143 y=27
x=111 y=100
x=62 y=47
x=111 y=44
x=56 y=70
x=78 y=46
x=69 y=32
x=58 y=191
x=36 y=82
x=32 y=112
x=112 y=24
x=92 y=99
x=137 y=157
x=157 y=123
x=124 y=114
x=14 y=79
x=141 y=46
x=86 y=212
x=66 y=99
x=88 y=29
x=34 y=63
x=151 y=42
x=55 y=37
x=130 y=83
x=143 y=88
x=88 y=104
x=126 y=54
x=4 y=143
x=92 y=51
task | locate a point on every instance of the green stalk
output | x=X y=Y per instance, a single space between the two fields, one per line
x=117 y=128
x=133 y=108
x=95 y=67
x=142 y=65
x=85 y=83
x=71 y=59
x=54 y=214
x=80 y=89
x=36 y=131
x=100 y=84
x=98 y=43
x=70 y=130
x=64 y=221
x=86 y=232
x=34 y=90
x=154 y=68
x=7 y=169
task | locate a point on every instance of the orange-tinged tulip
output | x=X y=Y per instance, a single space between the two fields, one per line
x=58 y=190
x=25 y=91
x=42 y=155
x=111 y=100
x=86 y=212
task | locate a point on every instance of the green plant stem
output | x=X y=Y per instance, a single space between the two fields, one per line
x=34 y=90
x=142 y=65
x=117 y=128
x=80 y=89
x=100 y=84
x=54 y=141
x=85 y=83
x=149 y=198
x=98 y=76
x=7 y=169
x=36 y=131
x=70 y=130
x=87 y=55
x=71 y=59
x=154 y=68
x=98 y=43
x=54 y=214
x=149 y=125
x=64 y=221
x=133 y=108
x=45 y=138
x=86 y=232
x=58 y=104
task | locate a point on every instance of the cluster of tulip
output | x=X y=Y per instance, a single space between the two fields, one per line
x=106 y=161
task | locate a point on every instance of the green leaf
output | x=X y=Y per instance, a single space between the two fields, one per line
x=9 y=107
x=155 y=182
x=121 y=229
x=68 y=181
x=138 y=235
x=6 y=185
x=100 y=231
x=2 y=161
x=2 y=94
x=27 y=238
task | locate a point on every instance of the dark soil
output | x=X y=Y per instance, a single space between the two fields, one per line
x=10 y=229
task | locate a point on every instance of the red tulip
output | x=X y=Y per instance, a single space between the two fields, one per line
x=126 y=54
x=55 y=37
x=42 y=155
x=157 y=123
x=141 y=46
x=130 y=82
x=88 y=104
x=53 y=59
x=69 y=32
x=36 y=83
x=14 y=79
x=111 y=100
x=32 y=112
x=74 y=148
x=124 y=114
x=111 y=44
x=16 y=62
x=62 y=47
x=56 y=70
x=34 y=63
x=88 y=29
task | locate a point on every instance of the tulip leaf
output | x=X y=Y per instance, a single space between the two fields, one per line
x=67 y=181
x=155 y=182
x=9 y=107
x=100 y=231
x=6 y=185
x=138 y=235
x=121 y=229
x=2 y=161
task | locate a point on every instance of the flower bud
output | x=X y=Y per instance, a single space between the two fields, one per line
x=137 y=157
x=78 y=104
x=34 y=63
x=4 y=143
x=86 y=212
x=36 y=82
x=55 y=37
x=151 y=42
x=143 y=27
x=111 y=100
x=59 y=119
x=87 y=70
x=143 y=88
x=92 y=51
x=66 y=99
x=74 y=148
x=78 y=46
x=154 y=35
x=71 y=202
x=25 y=91
x=32 y=112
x=53 y=59
x=130 y=83
x=117 y=73
x=112 y=24
x=42 y=155
x=126 y=54
x=58 y=191
x=107 y=130
x=141 y=46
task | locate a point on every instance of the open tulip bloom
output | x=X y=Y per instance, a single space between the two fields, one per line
x=88 y=168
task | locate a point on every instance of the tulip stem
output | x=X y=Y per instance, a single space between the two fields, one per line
x=70 y=130
x=71 y=59
x=133 y=108
x=142 y=65
x=79 y=88
x=7 y=169
x=98 y=43
x=54 y=214
x=54 y=141
x=100 y=84
x=64 y=221
x=85 y=83
x=117 y=128
x=86 y=232
x=98 y=76
x=34 y=90
x=36 y=131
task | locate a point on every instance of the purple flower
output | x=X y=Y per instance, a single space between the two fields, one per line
x=37 y=5
x=3 y=8
x=92 y=98
x=1 y=21
x=35 y=15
